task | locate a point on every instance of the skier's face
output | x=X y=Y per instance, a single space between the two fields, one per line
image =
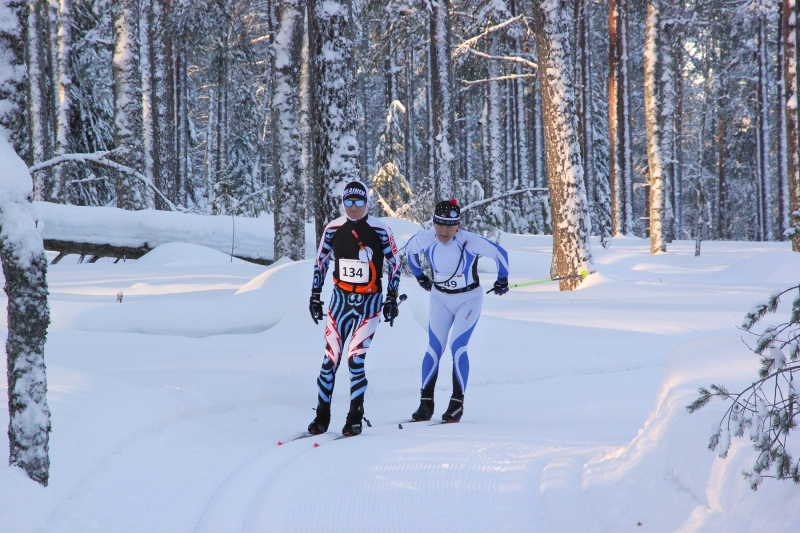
x=354 y=212
x=446 y=233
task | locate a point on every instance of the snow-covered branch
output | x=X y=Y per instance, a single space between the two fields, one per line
x=513 y=59
x=462 y=48
x=100 y=159
x=467 y=83
x=506 y=194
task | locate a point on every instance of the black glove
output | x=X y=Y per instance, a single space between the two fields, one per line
x=424 y=282
x=315 y=306
x=500 y=286
x=390 y=310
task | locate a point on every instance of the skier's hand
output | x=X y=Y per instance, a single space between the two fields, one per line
x=424 y=282
x=315 y=307
x=500 y=286
x=390 y=310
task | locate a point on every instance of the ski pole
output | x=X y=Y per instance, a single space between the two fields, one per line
x=400 y=299
x=583 y=274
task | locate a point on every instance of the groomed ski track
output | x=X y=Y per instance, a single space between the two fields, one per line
x=158 y=427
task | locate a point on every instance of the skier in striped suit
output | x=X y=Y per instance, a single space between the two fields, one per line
x=360 y=245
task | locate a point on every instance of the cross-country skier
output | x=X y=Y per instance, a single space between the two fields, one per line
x=456 y=301
x=360 y=244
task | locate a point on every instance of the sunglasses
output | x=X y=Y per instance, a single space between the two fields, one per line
x=358 y=203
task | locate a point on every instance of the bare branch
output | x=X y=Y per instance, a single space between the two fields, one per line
x=513 y=59
x=461 y=48
x=99 y=158
x=500 y=197
x=499 y=78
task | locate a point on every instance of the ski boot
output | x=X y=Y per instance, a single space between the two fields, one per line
x=323 y=419
x=425 y=410
x=454 y=411
x=352 y=425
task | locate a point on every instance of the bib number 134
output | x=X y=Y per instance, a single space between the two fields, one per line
x=353 y=271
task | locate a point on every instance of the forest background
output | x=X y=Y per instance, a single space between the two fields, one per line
x=252 y=107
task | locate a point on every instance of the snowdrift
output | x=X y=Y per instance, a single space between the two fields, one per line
x=667 y=479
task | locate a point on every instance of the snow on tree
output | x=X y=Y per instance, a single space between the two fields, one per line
x=39 y=102
x=12 y=75
x=571 y=223
x=770 y=406
x=332 y=105
x=440 y=93
x=25 y=268
x=388 y=183
x=289 y=194
x=653 y=105
x=791 y=134
x=619 y=120
x=64 y=84
x=128 y=122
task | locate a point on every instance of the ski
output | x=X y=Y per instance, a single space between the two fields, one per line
x=400 y=425
x=298 y=437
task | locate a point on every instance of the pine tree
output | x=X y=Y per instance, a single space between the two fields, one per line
x=128 y=127
x=332 y=105
x=388 y=183
x=571 y=224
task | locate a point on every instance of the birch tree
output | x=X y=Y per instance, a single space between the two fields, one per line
x=289 y=190
x=571 y=224
x=653 y=108
x=64 y=84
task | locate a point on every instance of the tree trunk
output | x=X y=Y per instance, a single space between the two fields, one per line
x=332 y=105
x=40 y=135
x=497 y=157
x=25 y=269
x=653 y=109
x=620 y=178
x=289 y=195
x=790 y=84
x=766 y=231
x=721 y=184
x=12 y=91
x=780 y=113
x=571 y=224
x=64 y=83
x=442 y=101
x=131 y=193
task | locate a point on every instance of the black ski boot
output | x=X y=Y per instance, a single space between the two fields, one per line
x=425 y=410
x=352 y=425
x=323 y=419
x=454 y=411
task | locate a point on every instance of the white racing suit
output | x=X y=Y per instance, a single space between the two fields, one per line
x=456 y=297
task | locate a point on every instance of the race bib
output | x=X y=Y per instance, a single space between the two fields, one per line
x=459 y=281
x=353 y=271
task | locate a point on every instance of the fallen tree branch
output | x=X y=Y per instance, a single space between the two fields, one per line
x=512 y=59
x=99 y=158
x=506 y=194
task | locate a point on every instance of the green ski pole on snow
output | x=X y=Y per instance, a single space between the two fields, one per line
x=583 y=274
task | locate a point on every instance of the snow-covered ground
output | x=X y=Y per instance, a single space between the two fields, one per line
x=167 y=407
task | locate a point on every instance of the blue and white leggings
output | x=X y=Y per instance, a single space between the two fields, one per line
x=459 y=312
x=356 y=316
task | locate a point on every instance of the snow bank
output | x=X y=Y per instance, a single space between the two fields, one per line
x=667 y=479
x=257 y=307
